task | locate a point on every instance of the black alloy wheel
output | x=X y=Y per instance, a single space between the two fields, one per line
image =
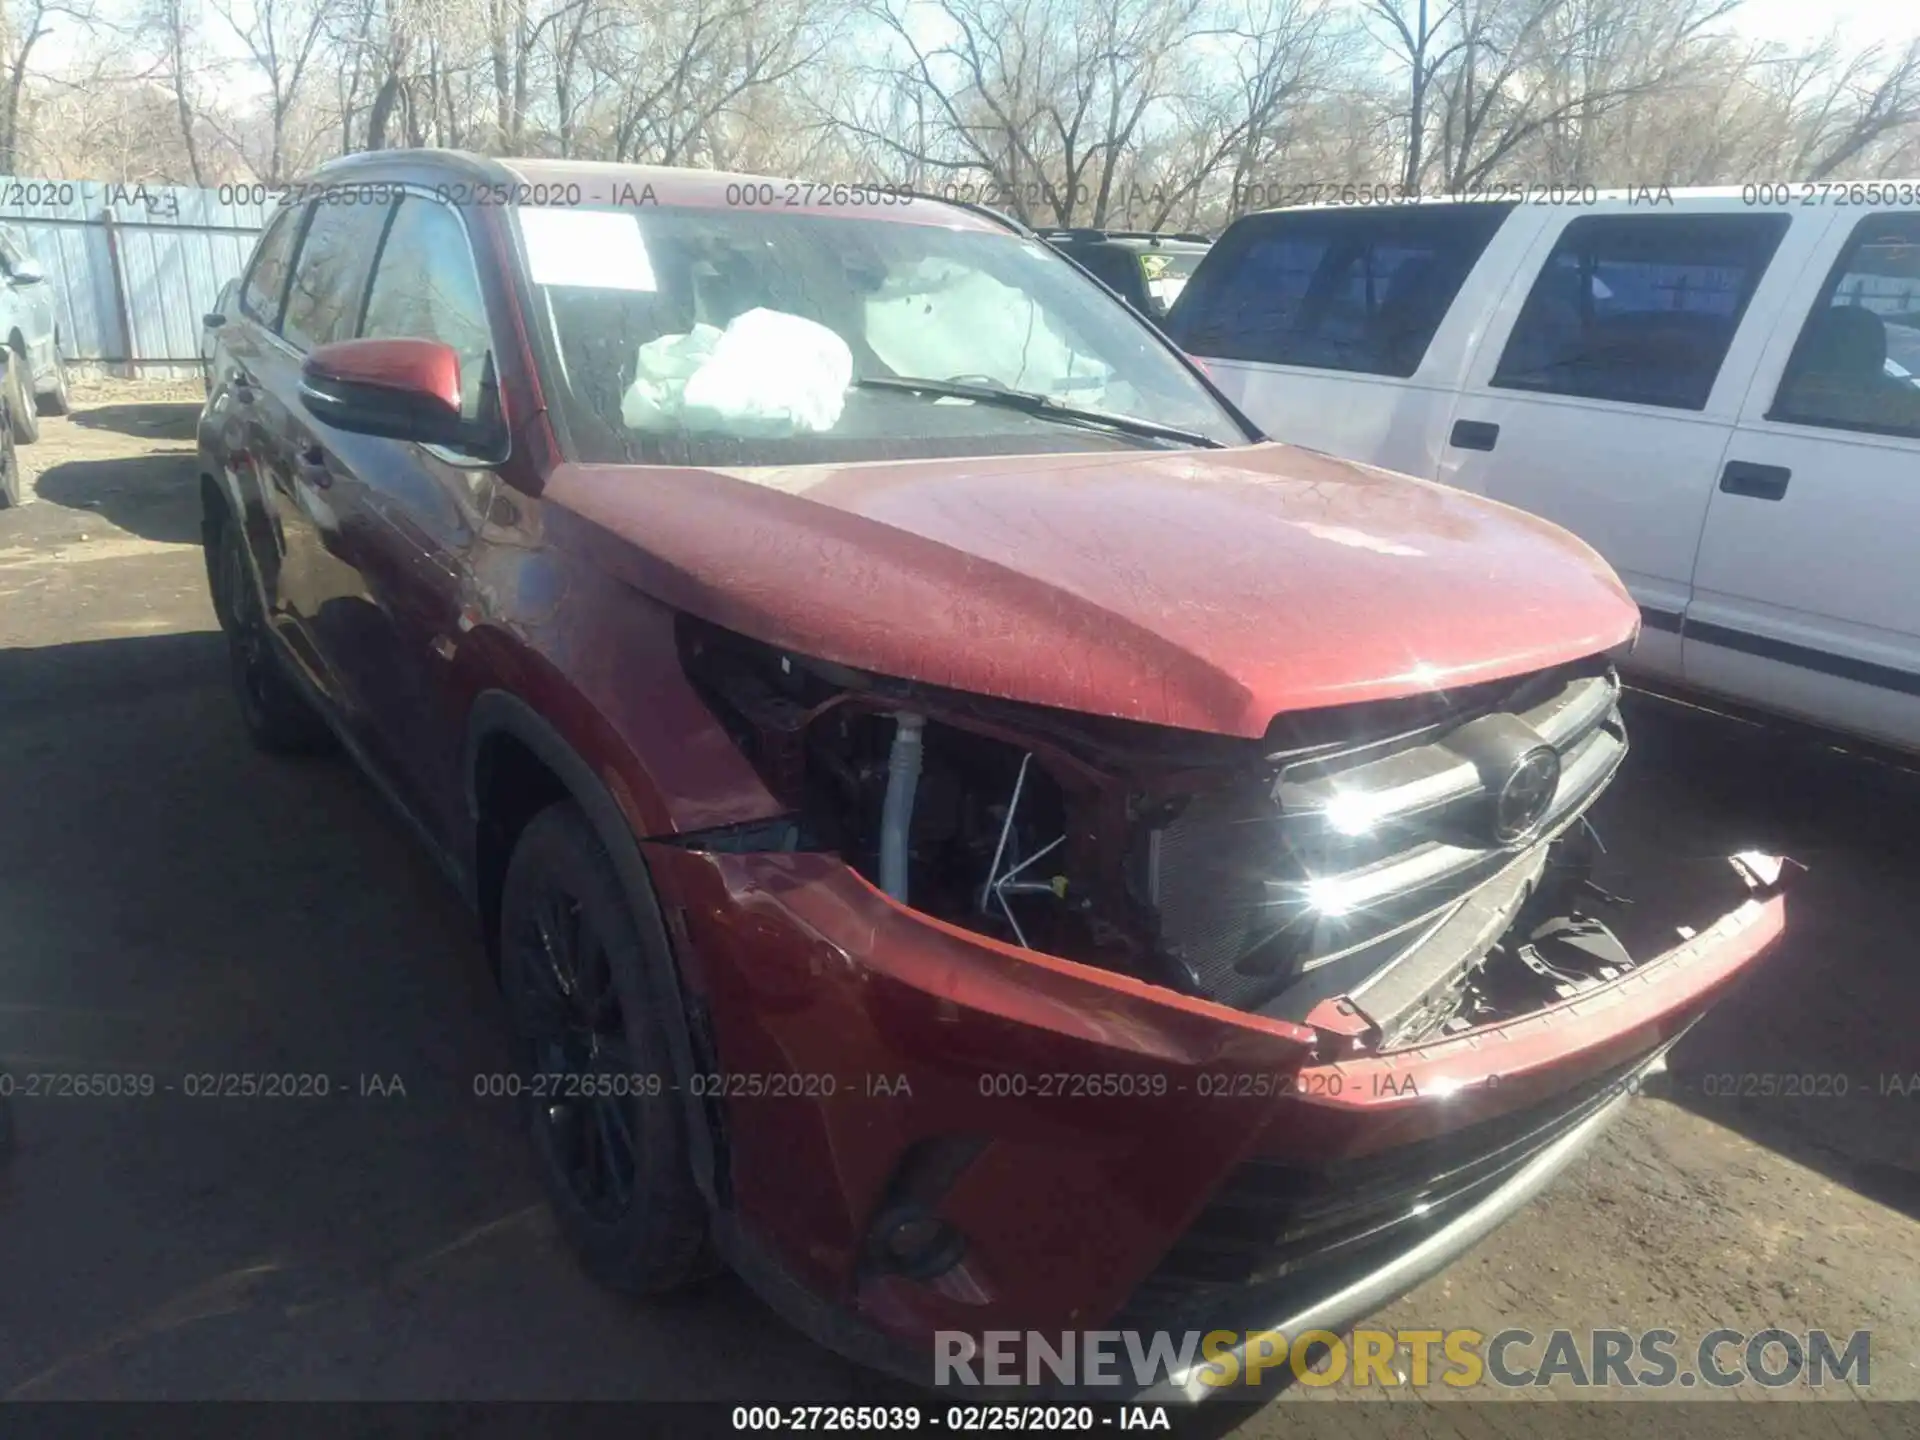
x=596 y=1077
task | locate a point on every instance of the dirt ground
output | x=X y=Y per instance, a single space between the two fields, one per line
x=172 y=902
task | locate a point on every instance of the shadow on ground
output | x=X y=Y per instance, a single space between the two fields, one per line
x=150 y=420
x=178 y=905
x=1800 y=1055
x=178 y=908
x=43 y=683
x=152 y=496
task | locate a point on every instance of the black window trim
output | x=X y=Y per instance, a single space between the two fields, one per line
x=1835 y=274
x=1778 y=223
x=299 y=253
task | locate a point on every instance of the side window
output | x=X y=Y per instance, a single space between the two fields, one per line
x=1639 y=308
x=330 y=276
x=426 y=288
x=1337 y=289
x=267 y=278
x=1856 y=365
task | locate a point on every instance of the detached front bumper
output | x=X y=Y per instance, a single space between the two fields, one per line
x=1110 y=1154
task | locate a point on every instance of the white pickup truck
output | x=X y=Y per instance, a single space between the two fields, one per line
x=1716 y=389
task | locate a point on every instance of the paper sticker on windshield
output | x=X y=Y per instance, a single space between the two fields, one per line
x=598 y=249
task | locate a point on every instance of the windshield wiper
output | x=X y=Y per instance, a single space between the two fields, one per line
x=1032 y=402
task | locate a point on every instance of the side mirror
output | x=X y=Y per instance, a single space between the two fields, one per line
x=399 y=389
x=26 y=272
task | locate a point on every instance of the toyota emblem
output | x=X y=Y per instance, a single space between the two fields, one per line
x=1526 y=795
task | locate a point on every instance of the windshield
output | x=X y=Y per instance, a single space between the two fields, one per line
x=706 y=337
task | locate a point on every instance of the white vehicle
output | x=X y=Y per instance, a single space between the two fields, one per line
x=29 y=327
x=1716 y=389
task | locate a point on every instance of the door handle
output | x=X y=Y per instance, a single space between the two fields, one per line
x=312 y=460
x=241 y=384
x=1473 y=435
x=1760 y=482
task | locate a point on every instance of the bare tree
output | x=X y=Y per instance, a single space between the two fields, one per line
x=1040 y=103
x=1426 y=36
x=1288 y=57
x=669 y=74
x=23 y=25
x=280 y=37
x=1873 y=95
x=175 y=27
x=1096 y=112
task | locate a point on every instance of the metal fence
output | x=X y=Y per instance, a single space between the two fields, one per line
x=134 y=267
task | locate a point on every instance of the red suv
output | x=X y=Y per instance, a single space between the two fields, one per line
x=971 y=834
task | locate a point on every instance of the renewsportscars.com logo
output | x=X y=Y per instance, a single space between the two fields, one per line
x=1129 y=1361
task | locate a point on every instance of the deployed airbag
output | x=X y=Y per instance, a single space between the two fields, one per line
x=767 y=373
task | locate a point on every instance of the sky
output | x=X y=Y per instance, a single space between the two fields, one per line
x=1862 y=22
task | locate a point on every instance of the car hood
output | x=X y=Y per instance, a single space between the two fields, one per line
x=1209 y=590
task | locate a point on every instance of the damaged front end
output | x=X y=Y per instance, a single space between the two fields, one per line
x=1387 y=873
x=1173 y=1029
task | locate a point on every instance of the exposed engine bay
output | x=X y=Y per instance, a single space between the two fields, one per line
x=1395 y=871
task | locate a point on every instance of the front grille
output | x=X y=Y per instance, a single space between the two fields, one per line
x=1278 y=1222
x=1271 y=898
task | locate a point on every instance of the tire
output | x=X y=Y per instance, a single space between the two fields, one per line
x=278 y=717
x=10 y=484
x=58 y=399
x=581 y=984
x=22 y=417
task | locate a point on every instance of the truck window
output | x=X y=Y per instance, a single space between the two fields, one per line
x=1117 y=268
x=1359 y=290
x=1856 y=365
x=1639 y=308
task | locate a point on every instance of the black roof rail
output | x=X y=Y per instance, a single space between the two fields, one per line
x=420 y=165
x=1094 y=233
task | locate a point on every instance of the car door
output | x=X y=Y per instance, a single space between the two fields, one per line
x=406 y=516
x=1348 y=330
x=1805 y=594
x=325 y=294
x=1607 y=385
x=34 y=307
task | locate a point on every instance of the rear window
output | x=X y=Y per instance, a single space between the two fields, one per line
x=1168 y=272
x=1353 y=290
x=1639 y=308
x=1148 y=276
x=1114 y=267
